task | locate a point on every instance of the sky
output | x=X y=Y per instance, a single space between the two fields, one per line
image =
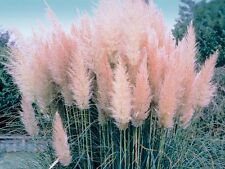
x=25 y=15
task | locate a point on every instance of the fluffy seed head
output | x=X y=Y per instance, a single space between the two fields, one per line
x=80 y=81
x=60 y=142
x=104 y=81
x=28 y=117
x=204 y=89
x=121 y=97
x=141 y=94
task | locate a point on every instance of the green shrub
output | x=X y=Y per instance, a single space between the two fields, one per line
x=208 y=19
x=10 y=98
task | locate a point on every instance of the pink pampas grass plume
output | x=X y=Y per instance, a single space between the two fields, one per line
x=169 y=94
x=80 y=81
x=134 y=25
x=28 y=117
x=61 y=47
x=107 y=24
x=157 y=23
x=29 y=69
x=141 y=94
x=44 y=89
x=204 y=89
x=121 y=97
x=60 y=141
x=187 y=53
x=167 y=102
x=104 y=82
x=19 y=67
x=157 y=59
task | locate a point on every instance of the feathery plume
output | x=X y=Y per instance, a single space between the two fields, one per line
x=136 y=18
x=30 y=71
x=44 y=89
x=187 y=52
x=156 y=67
x=141 y=94
x=121 y=97
x=169 y=92
x=28 y=117
x=104 y=82
x=19 y=67
x=61 y=47
x=204 y=89
x=80 y=81
x=107 y=24
x=60 y=142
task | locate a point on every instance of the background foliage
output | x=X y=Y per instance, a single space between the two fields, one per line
x=208 y=18
x=9 y=95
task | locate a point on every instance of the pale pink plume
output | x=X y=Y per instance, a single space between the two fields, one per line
x=134 y=25
x=204 y=89
x=169 y=94
x=121 y=97
x=85 y=41
x=104 y=76
x=61 y=47
x=28 y=117
x=60 y=141
x=20 y=68
x=80 y=80
x=141 y=94
x=187 y=52
x=44 y=89
x=29 y=69
x=107 y=26
x=157 y=23
x=157 y=59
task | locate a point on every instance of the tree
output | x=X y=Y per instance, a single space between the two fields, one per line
x=185 y=17
x=208 y=19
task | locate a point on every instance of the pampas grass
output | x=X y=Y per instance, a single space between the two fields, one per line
x=117 y=68
x=141 y=95
x=28 y=117
x=80 y=81
x=121 y=97
x=60 y=142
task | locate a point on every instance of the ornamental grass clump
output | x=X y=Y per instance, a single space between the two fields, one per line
x=120 y=83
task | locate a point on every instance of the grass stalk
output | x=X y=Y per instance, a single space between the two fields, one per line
x=161 y=147
x=125 y=148
x=90 y=134
x=68 y=119
x=100 y=146
x=121 y=149
x=86 y=139
x=137 y=144
x=83 y=134
x=112 y=145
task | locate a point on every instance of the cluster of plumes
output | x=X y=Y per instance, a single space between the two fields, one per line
x=123 y=58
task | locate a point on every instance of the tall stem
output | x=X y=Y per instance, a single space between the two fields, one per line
x=89 y=124
x=86 y=139
x=101 y=151
x=77 y=129
x=112 y=145
x=68 y=119
x=161 y=146
x=125 y=148
x=82 y=133
x=104 y=142
x=121 y=149
x=137 y=142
